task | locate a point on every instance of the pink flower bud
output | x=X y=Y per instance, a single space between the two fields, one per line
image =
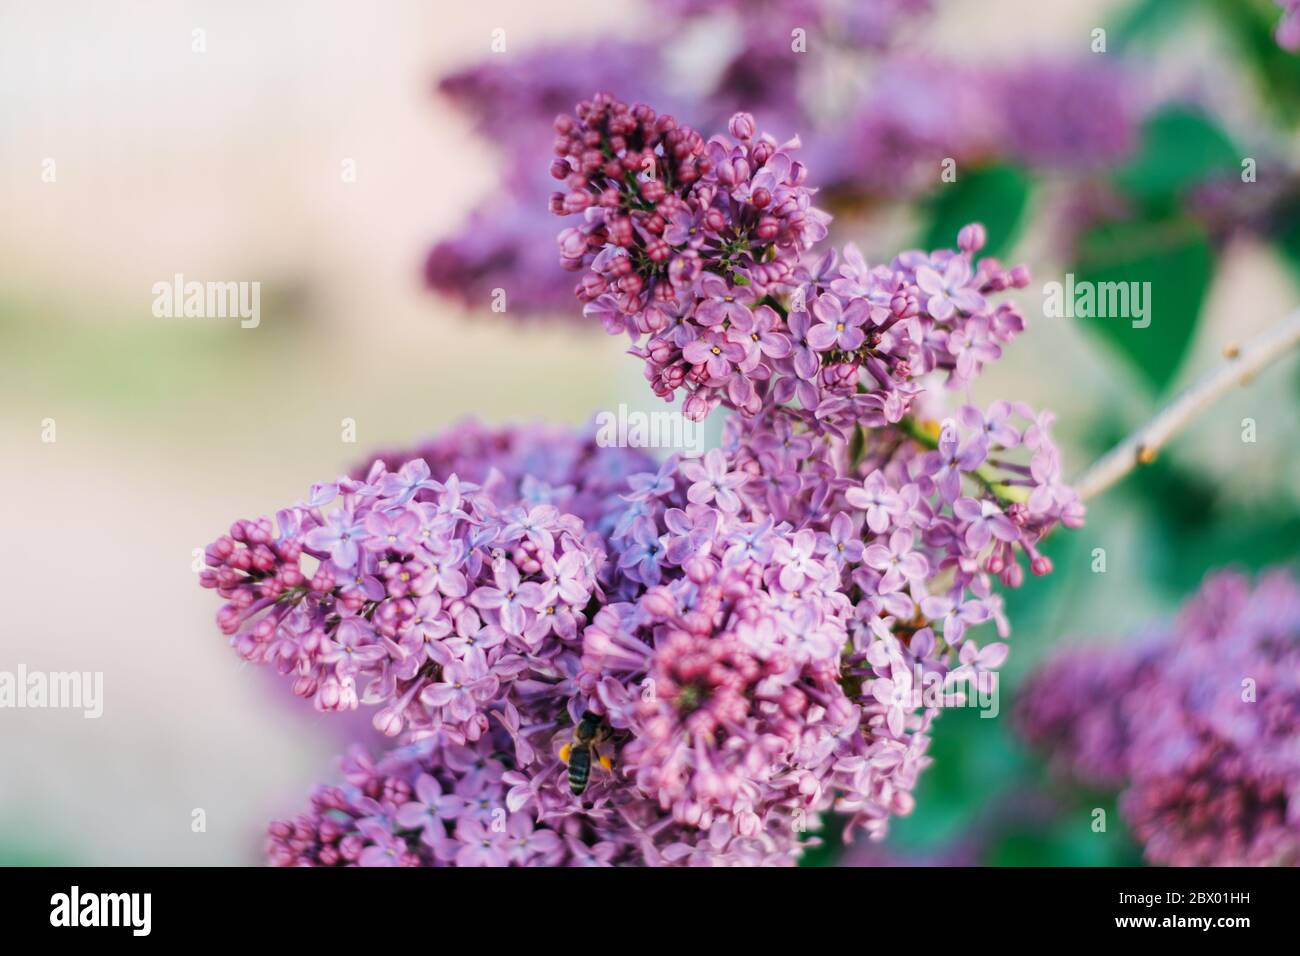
x=972 y=238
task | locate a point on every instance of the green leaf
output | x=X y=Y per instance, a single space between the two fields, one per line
x=1251 y=23
x=831 y=848
x=1175 y=257
x=1145 y=20
x=1180 y=148
x=995 y=196
x=1068 y=839
x=1288 y=235
x=975 y=759
x=1194 y=527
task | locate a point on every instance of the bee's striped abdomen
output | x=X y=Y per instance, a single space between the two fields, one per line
x=579 y=769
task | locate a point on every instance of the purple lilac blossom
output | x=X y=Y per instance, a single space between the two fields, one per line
x=1067 y=115
x=536 y=463
x=671 y=224
x=918 y=112
x=1196 y=722
x=505 y=98
x=746 y=668
x=921 y=111
x=751 y=627
x=883 y=142
x=702 y=254
x=506 y=240
x=503 y=244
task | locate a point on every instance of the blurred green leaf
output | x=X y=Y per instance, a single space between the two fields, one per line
x=1145 y=20
x=1252 y=23
x=1254 y=542
x=1175 y=257
x=1251 y=540
x=1068 y=839
x=829 y=851
x=993 y=195
x=1180 y=147
x=31 y=849
x=1191 y=528
x=1288 y=236
x=969 y=752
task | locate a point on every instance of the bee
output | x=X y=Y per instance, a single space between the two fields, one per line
x=588 y=733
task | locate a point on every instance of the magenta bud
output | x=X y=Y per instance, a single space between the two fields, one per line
x=577 y=201
x=699 y=569
x=350 y=846
x=659 y=602
x=696 y=407
x=972 y=238
x=329 y=694
x=659 y=351
x=652 y=320
x=742 y=127
x=388 y=721
x=228 y=619
x=592 y=285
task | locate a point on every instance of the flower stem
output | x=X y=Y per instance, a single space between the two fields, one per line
x=1141 y=447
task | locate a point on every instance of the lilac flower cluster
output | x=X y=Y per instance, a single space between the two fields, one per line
x=785 y=617
x=459 y=618
x=405 y=590
x=501 y=245
x=506 y=242
x=692 y=248
x=753 y=676
x=1065 y=115
x=1197 y=722
x=661 y=207
x=429 y=805
x=883 y=142
x=535 y=464
x=749 y=631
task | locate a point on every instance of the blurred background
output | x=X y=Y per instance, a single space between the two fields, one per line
x=377 y=169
